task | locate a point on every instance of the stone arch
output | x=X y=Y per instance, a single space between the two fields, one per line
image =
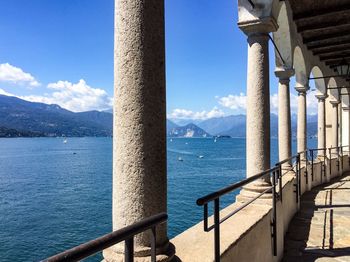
x=282 y=38
x=319 y=83
x=333 y=93
x=299 y=67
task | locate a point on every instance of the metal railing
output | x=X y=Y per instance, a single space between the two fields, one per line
x=322 y=158
x=275 y=174
x=215 y=197
x=331 y=154
x=125 y=234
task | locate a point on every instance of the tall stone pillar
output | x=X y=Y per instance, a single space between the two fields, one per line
x=345 y=128
x=258 y=102
x=284 y=118
x=139 y=128
x=301 y=129
x=321 y=129
x=335 y=123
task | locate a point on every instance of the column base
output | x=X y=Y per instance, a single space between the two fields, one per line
x=116 y=254
x=252 y=190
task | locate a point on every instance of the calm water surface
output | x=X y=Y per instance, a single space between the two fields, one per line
x=54 y=196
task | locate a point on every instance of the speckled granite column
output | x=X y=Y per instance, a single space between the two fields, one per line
x=335 y=121
x=321 y=134
x=258 y=104
x=139 y=143
x=301 y=129
x=284 y=119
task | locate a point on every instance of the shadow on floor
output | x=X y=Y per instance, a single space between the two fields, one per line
x=310 y=236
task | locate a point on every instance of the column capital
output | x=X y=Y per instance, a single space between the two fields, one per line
x=302 y=89
x=334 y=102
x=263 y=25
x=321 y=97
x=284 y=73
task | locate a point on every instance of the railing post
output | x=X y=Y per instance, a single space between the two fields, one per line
x=274 y=214
x=205 y=223
x=342 y=158
x=312 y=165
x=299 y=177
x=217 y=229
x=330 y=162
x=279 y=177
x=306 y=172
x=338 y=161
x=129 y=250
x=324 y=162
x=153 y=244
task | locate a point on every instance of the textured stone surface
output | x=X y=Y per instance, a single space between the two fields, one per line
x=335 y=117
x=301 y=129
x=320 y=231
x=321 y=126
x=284 y=118
x=139 y=143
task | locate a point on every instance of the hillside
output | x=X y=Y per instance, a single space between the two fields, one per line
x=22 y=118
x=52 y=120
x=190 y=130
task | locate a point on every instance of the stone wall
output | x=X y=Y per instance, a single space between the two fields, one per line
x=247 y=235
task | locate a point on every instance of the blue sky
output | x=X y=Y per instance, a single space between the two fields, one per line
x=61 y=51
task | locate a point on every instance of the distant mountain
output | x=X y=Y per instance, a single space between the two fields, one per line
x=190 y=130
x=220 y=125
x=9 y=132
x=183 y=122
x=52 y=120
x=235 y=125
x=22 y=118
x=170 y=125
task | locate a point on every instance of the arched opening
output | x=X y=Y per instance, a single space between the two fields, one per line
x=333 y=95
x=301 y=79
x=282 y=39
x=317 y=88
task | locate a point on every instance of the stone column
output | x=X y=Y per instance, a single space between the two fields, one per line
x=284 y=119
x=258 y=102
x=335 y=125
x=345 y=128
x=301 y=129
x=139 y=142
x=321 y=134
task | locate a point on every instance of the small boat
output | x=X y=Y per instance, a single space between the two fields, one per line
x=186 y=143
x=201 y=157
x=171 y=140
x=180 y=159
x=215 y=140
x=65 y=141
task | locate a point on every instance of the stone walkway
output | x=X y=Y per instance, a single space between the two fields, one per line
x=320 y=231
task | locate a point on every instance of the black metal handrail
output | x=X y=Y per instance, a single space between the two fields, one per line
x=274 y=175
x=285 y=169
x=323 y=167
x=125 y=234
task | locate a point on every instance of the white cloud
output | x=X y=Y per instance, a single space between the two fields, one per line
x=77 y=97
x=3 y=92
x=188 y=114
x=238 y=103
x=16 y=75
x=234 y=102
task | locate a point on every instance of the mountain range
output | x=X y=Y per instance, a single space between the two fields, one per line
x=20 y=118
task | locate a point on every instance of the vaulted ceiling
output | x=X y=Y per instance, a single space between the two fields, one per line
x=325 y=28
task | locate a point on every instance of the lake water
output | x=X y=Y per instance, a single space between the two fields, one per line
x=54 y=196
